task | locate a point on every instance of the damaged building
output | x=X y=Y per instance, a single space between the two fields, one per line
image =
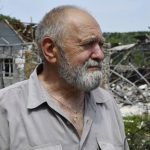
x=127 y=74
x=11 y=55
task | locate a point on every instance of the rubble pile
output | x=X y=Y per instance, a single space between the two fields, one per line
x=133 y=98
x=129 y=95
x=129 y=82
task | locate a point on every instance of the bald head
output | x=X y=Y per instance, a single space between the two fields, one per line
x=78 y=15
x=56 y=22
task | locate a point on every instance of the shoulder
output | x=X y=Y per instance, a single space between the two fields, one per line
x=102 y=96
x=106 y=98
x=8 y=93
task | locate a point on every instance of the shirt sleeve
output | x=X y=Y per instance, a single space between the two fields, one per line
x=121 y=124
x=4 y=130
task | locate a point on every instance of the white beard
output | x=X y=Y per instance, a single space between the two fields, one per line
x=78 y=76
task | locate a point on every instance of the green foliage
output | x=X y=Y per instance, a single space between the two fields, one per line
x=138 y=58
x=137 y=129
x=13 y=21
x=123 y=38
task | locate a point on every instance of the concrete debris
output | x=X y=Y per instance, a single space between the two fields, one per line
x=122 y=47
x=129 y=82
x=137 y=109
x=143 y=87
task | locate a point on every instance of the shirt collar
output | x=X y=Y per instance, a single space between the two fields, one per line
x=35 y=96
x=100 y=95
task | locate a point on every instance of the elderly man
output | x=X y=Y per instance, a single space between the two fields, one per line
x=61 y=107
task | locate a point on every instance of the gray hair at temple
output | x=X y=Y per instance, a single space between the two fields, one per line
x=53 y=25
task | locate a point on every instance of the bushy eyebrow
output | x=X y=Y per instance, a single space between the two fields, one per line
x=89 y=40
x=92 y=39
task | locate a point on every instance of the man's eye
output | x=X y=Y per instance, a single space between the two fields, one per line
x=101 y=44
x=89 y=44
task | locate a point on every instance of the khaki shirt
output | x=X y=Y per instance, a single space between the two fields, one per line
x=30 y=120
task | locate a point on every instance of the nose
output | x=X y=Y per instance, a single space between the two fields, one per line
x=97 y=53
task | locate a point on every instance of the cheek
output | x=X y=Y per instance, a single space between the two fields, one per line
x=80 y=58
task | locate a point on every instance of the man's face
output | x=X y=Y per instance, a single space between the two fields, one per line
x=80 y=60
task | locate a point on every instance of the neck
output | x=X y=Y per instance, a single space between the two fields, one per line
x=58 y=88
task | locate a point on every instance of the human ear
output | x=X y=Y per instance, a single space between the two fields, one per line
x=49 y=50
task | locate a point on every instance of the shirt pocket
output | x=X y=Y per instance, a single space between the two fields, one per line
x=108 y=146
x=47 y=147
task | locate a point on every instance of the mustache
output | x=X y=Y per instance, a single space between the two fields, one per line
x=92 y=63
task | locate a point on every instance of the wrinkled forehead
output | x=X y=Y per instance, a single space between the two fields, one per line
x=80 y=24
